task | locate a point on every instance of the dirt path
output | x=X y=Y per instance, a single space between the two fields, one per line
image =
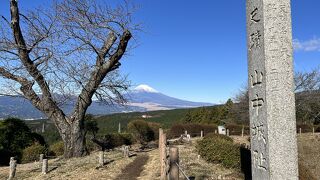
x=133 y=170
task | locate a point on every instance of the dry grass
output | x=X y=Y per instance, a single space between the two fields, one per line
x=309 y=156
x=75 y=168
x=200 y=169
x=152 y=168
x=191 y=164
x=85 y=167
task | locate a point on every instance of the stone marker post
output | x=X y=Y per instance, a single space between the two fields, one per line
x=119 y=128
x=44 y=166
x=201 y=134
x=300 y=131
x=228 y=132
x=174 y=158
x=12 y=171
x=271 y=96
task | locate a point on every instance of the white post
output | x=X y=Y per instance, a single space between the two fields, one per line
x=242 y=131
x=45 y=166
x=101 y=158
x=201 y=134
x=43 y=128
x=126 y=151
x=300 y=131
x=13 y=165
x=41 y=157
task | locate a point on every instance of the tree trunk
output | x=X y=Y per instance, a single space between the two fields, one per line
x=73 y=137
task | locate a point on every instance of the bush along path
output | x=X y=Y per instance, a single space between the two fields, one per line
x=133 y=170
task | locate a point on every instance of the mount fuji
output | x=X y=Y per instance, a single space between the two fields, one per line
x=140 y=99
x=151 y=99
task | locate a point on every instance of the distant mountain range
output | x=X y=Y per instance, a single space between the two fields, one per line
x=149 y=98
x=142 y=98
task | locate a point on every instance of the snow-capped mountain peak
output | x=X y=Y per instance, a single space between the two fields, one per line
x=145 y=88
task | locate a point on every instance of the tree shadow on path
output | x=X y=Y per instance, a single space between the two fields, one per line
x=245 y=156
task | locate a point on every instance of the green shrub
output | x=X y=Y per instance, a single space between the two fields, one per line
x=91 y=146
x=218 y=149
x=15 y=136
x=57 y=149
x=141 y=131
x=110 y=141
x=219 y=136
x=116 y=140
x=33 y=152
x=155 y=128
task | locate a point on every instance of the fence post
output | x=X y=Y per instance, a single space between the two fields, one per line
x=126 y=151
x=101 y=158
x=160 y=136
x=228 y=132
x=163 y=155
x=174 y=160
x=312 y=130
x=201 y=134
x=160 y=151
x=242 y=131
x=12 y=171
x=44 y=166
x=41 y=157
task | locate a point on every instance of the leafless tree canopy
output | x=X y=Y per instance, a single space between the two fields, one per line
x=307 y=81
x=72 y=48
x=307 y=88
x=67 y=45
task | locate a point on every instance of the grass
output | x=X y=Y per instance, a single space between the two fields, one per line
x=200 y=169
x=192 y=165
x=75 y=168
x=309 y=157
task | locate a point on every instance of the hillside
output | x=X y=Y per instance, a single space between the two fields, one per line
x=110 y=123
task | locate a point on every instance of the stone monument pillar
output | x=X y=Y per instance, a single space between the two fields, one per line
x=272 y=103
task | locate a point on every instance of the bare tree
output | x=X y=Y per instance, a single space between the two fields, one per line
x=307 y=81
x=72 y=48
x=241 y=106
x=308 y=96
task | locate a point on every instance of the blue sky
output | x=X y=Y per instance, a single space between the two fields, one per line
x=196 y=49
